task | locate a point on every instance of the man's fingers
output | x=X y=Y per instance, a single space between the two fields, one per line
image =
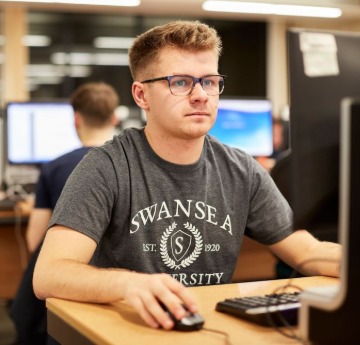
x=152 y=313
x=144 y=314
x=146 y=292
x=183 y=297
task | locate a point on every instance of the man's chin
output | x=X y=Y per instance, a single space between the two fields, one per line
x=197 y=133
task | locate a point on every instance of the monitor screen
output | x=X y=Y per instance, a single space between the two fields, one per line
x=245 y=124
x=37 y=132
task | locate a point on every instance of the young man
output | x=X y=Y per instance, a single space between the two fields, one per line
x=94 y=107
x=167 y=198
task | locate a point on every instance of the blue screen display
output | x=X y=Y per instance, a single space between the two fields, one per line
x=245 y=124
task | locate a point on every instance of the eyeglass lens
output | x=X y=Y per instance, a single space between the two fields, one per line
x=182 y=85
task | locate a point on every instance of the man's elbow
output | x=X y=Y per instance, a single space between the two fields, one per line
x=39 y=285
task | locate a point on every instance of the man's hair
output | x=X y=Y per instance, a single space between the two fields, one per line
x=96 y=102
x=186 y=35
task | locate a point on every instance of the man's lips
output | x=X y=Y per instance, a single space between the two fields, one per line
x=198 y=113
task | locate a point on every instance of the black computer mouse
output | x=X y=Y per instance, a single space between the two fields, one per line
x=190 y=322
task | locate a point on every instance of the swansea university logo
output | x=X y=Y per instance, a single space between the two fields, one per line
x=180 y=245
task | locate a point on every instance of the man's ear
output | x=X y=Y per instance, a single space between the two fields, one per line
x=115 y=120
x=139 y=95
x=77 y=119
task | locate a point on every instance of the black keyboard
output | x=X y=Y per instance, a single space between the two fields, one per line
x=268 y=310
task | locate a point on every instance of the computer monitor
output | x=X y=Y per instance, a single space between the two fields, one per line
x=245 y=124
x=323 y=69
x=37 y=132
x=330 y=316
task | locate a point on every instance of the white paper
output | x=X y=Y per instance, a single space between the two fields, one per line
x=319 y=54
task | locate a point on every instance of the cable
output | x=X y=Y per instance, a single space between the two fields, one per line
x=226 y=335
x=290 y=330
x=20 y=238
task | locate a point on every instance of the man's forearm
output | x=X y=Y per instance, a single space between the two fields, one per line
x=79 y=281
x=69 y=279
x=323 y=259
x=306 y=254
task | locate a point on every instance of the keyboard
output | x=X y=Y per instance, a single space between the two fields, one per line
x=7 y=204
x=267 y=310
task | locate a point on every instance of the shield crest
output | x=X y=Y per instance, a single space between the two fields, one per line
x=180 y=244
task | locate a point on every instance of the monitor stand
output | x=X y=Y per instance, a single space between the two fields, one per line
x=331 y=316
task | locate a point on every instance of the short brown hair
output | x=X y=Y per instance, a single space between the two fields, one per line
x=186 y=35
x=96 y=102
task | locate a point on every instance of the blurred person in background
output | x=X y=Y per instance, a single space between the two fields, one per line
x=280 y=144
x=94 y=107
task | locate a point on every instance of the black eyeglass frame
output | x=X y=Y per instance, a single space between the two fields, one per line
x=195 y=81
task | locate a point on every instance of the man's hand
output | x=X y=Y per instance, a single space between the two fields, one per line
x=144 y=291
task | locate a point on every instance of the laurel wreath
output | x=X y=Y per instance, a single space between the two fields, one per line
x=191 y=258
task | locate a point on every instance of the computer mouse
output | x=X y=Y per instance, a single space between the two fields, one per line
x=190 y=322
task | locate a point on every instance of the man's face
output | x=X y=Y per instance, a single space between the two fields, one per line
x=181 y=117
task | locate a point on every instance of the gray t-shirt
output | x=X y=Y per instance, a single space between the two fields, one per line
x=149 y=215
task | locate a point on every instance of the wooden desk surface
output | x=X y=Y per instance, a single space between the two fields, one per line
x=118 y=323
x=13 y=251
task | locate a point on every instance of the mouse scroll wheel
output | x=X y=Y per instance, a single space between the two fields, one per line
x=190 y=319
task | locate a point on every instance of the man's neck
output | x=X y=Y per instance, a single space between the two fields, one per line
x=176 y=150
x=96 y=137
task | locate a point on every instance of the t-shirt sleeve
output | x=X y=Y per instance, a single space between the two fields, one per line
x=270 y=216
x=88 y=197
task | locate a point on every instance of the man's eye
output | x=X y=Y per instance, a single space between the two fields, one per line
x=180 y=83
x=208 y=82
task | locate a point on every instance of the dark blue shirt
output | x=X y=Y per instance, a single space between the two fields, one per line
x=53 y=177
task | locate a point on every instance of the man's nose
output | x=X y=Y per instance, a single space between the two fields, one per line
x=198 y=87
x=198 y=93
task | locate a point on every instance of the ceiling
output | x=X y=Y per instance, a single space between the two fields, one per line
x=74 y=28
x=192 y=8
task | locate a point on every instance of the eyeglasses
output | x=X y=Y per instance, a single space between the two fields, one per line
x=183 y=85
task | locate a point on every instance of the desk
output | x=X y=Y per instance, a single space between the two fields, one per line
x=84 y=323
x=13 y=251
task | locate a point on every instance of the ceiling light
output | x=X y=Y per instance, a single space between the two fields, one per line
x=269 y=8
x=113 y=42
x=34 y=82
x=87 y=2
x=78 y=71
x=237 y=7
x=52 y=71
x=61 y=58
x=307 y=11
x=75 y=58
x=111 y=59
x=31 y=40
x=44 y=71
x=36 y=41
